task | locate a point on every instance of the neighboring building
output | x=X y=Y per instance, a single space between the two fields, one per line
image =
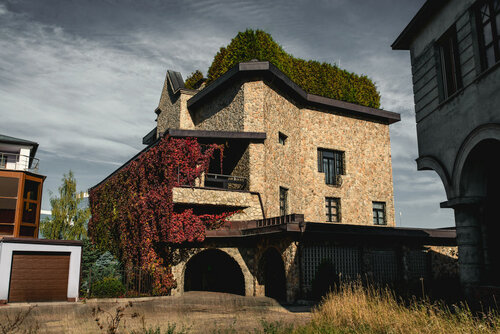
x=311 y=176
x=455 y=53
x=20 y=188
x=30 y=269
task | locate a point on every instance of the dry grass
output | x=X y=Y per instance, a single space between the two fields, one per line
x=355 y=309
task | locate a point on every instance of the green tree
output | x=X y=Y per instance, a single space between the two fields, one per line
x=69 y=219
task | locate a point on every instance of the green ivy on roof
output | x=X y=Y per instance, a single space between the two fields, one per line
x=314 y=77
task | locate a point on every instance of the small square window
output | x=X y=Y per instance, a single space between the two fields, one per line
x=332 y=206
x=282 y=138
x=379 y=213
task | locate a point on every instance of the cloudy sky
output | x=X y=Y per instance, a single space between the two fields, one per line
x=83 y=77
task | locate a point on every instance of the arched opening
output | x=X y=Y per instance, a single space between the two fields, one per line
x=273 y=271
x=480 y=179
x=214 y=270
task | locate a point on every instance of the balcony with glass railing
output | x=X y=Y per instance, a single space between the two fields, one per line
x=14 y=161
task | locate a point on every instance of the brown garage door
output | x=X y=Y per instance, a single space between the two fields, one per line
x=39 y=276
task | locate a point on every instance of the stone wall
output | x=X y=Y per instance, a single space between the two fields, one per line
x=249 y=258
x=248 y=202
x=174 y=113
x=366 y=144
x=255 y=106
x=223 y=112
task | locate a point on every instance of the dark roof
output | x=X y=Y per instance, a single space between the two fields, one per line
x=41 y=241
x=424 y=15
x=12 y=140
x=311 y=230
x=217 y=134
x=266 y=69
x=176 y=80
x=150 y=137
x=18 y=141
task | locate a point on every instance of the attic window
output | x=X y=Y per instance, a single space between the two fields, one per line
x=282 y=138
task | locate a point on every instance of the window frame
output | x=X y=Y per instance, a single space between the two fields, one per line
x=330 y=217
x=494 y=33
x=376 y=213
x=336 y=161
x=448 y=63
x=283 y=201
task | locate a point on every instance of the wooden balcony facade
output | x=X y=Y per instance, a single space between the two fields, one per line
x=20 y=200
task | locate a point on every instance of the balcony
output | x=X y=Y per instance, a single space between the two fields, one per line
x=225 y=181
x=13 y=161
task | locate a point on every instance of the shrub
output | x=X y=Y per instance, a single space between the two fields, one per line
x=314 y=77
x=195 y=80
x=108 y=287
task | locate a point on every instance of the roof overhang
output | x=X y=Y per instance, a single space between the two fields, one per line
x=425 y=13
x=265 y=69
x=252 y=136
x=345 y=232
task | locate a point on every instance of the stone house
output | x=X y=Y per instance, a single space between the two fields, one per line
x=312 y=180
x=455 y=56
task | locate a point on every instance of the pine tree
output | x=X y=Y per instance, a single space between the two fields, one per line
x=68 y=220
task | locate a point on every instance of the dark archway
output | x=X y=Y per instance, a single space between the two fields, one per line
x=480 y=180
x=273 y=271
x=214 y=270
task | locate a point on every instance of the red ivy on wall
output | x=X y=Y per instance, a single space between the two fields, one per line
x=132 y=212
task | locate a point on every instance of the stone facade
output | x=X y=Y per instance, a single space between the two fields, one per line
x=256 y=106
x=247 y=203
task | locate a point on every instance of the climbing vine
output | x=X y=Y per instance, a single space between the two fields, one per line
x=133 y=212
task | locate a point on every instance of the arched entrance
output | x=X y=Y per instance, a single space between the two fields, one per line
x=480 y=182
x=273 y=271
x=214 y=270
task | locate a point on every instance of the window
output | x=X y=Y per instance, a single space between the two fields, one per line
x=283 y=201
x=449 y=63
x=379 y=213
x=332 y=206
x=488 y=23
x=332 y=164
x=282 y=138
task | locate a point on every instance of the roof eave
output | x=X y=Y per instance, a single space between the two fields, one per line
x=428 y=9
x=266 y=68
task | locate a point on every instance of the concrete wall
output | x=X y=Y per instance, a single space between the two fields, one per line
x=449 y=130
x=443 y=126
x=7 y=248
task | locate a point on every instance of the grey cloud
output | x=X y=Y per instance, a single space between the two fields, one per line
x=83 y=77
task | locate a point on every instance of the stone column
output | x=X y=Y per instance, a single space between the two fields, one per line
x=469 y=241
